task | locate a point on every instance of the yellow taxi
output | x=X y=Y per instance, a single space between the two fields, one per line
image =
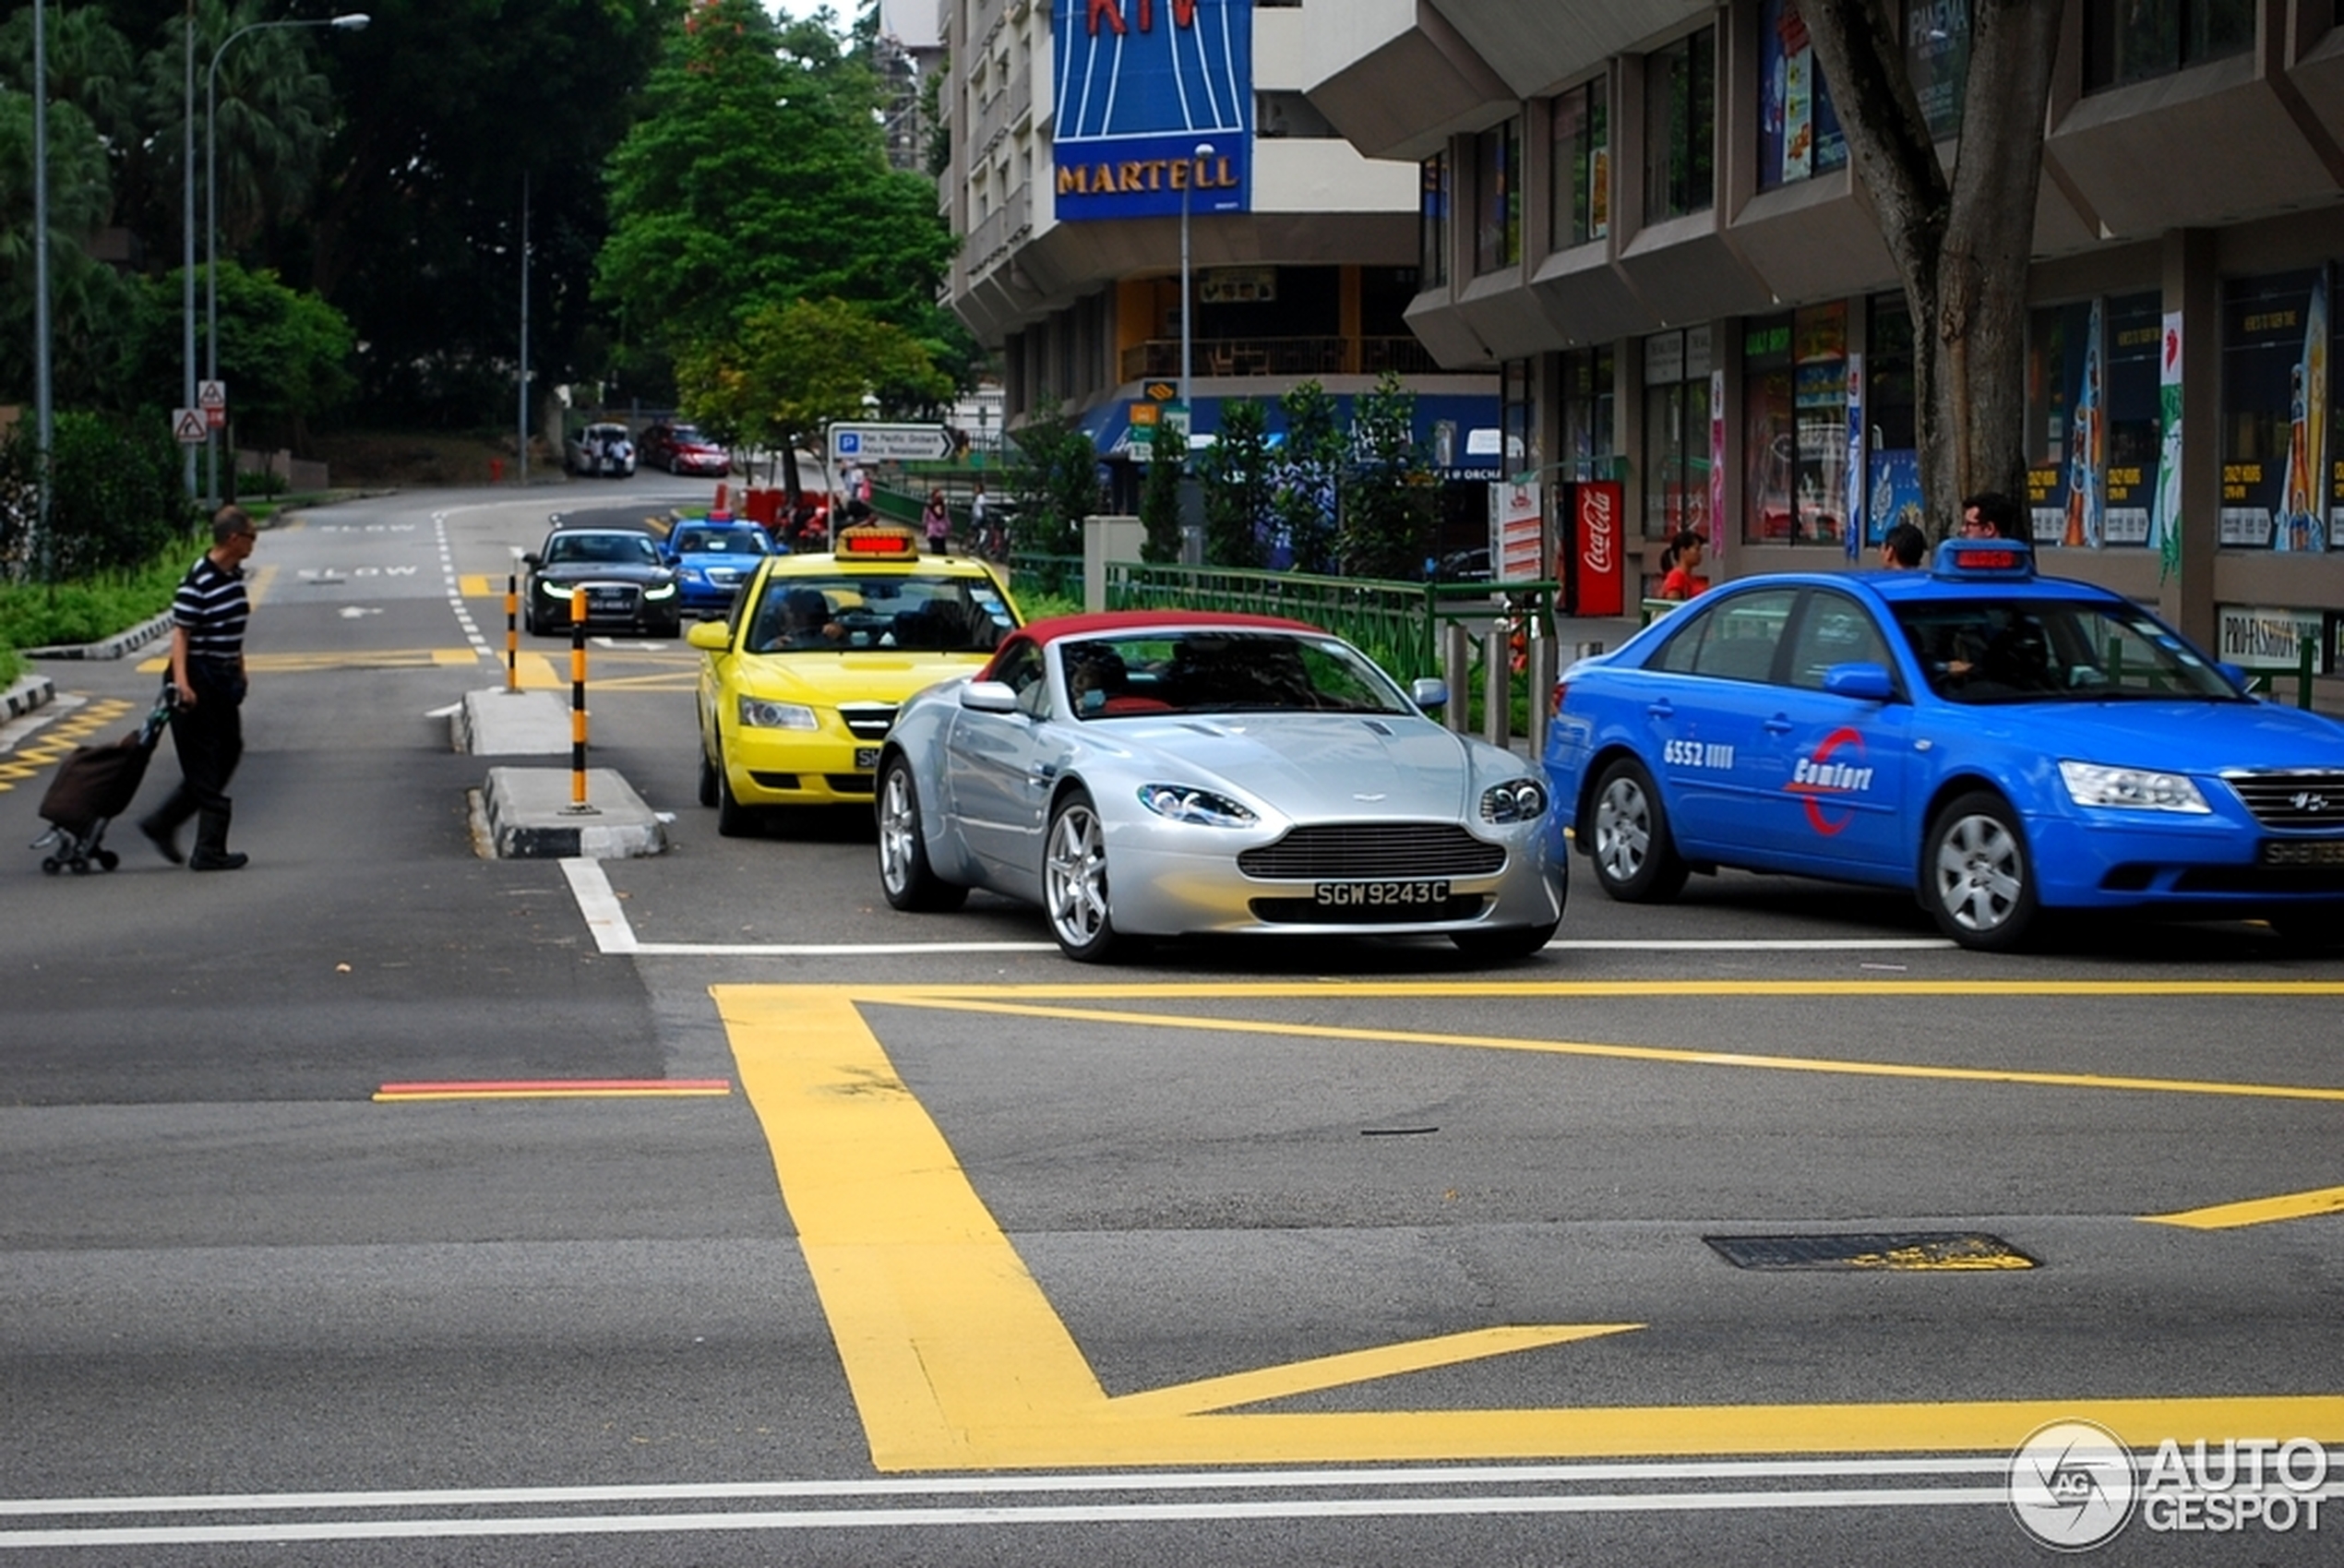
x=799 y=684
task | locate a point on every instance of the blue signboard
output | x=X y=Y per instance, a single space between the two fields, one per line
x=1141 y=87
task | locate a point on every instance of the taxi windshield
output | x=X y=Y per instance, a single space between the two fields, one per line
x=2002 y=651
x=1223 y=672
x=848 y=612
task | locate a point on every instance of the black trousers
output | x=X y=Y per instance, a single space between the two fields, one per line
x=210 y=737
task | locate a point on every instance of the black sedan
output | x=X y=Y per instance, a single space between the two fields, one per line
x=627 y=587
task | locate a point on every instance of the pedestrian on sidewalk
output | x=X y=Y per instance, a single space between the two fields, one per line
x=936 y=519
x=207 y=617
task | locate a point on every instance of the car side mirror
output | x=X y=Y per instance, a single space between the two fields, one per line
x=532 y=561
x=1429 y=691
x=714 y=636
x=989 y=697
x=2236 y=675
x=1860 y=682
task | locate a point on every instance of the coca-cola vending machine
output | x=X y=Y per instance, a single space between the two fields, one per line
x=1595 y=566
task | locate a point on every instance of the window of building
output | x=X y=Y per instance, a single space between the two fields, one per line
x=2130 y=41
x=1587 y=440
x=1582 y=207
x=1680 y=99
x=2278 y=412
x=2092 y=422
x=1432 y=221
x=1795 y=427
x=1497 y=197
x=1675 y=432
x=1798 y=132
x=1892 y=455
x=1937 y=53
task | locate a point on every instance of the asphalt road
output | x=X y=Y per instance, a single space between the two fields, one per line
x=898 y=1239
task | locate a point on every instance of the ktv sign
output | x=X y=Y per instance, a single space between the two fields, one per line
x=1141 y=86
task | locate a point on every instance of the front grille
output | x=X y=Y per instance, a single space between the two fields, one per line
x=1310 y=912
x=2292 y=797
x=869 y=721
x=1374 y=852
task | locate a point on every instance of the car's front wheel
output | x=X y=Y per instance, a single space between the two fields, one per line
x=1981 y=879
x=1636 y=858
x=1074 y=884
x=905 y=877
x=708 y=780
x=733 y=819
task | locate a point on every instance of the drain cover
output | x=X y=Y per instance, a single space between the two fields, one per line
x=1890 y=1250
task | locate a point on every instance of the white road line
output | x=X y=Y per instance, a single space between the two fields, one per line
x=607 y=919
x=456 y=590
x=1068 y=1513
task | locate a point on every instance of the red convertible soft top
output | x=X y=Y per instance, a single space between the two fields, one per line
x=1044 y=632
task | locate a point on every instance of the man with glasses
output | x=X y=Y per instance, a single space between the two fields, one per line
x=208 y=618
x=1989 y=514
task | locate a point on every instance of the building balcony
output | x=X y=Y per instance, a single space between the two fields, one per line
x=1159 y=358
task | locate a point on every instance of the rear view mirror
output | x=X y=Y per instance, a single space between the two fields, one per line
x=1429 y=691
x=1860 y=682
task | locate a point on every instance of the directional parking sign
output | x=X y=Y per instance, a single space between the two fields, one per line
x=890 y=443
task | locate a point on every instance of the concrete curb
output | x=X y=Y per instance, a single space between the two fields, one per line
x=497 y=723
x=24 y=694
x=530 y=816
x=119 y=646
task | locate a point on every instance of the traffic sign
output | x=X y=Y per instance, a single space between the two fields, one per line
x=890 y=443
x=212 y=394
x=189 y=428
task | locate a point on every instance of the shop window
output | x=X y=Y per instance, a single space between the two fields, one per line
x=1497 y=197
x=1937 y=55
x=1680 y=98
x=1582 y=207
x=1432 y=221
x=1587 y=425
x=2092 y=423
x=1892 y=455
x=1798 y=132
x=1676 y=463
x=1795 y=427
x=2130 y=41
x=2278 y=412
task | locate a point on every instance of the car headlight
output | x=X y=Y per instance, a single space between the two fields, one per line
x=2130 y=789
x=561 y=590
x=760 y=714
x=1516 y=800
x=663 y=591
x=692 y=574
x=1179 y=803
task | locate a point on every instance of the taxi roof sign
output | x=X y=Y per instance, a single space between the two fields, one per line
x=2005 y=559
x=877 y=539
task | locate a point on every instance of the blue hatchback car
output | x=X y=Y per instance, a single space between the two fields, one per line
x=711 y=560
x=1999 y=742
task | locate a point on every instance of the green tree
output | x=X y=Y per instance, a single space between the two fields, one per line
x=794 y=368
x=1055 y=482
x=114 y=499
x=757 y=173
x=1236 y=471
x=1160 y=497
x=1389 y=501
x=85 y=297
x=286 y=356
x=1308 y=475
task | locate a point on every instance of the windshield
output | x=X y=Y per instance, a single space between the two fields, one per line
x=1219 y=671
x=2051 y=650
x=844 y=611
x=609 y=549
x=720 y=540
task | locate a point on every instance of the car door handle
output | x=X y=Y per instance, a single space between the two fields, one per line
x=1663 y=708
x=1046 y=771
x=1779 y=725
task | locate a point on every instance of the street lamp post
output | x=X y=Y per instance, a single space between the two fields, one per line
x=1203 y=151
x=352 y=22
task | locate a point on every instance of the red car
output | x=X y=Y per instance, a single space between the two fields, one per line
x=680 y=448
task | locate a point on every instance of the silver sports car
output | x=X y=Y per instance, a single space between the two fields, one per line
x=1152 y=773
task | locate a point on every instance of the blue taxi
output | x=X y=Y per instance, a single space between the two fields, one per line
x=1999 y=742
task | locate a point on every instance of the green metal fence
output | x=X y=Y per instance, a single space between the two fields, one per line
x=1032 y=574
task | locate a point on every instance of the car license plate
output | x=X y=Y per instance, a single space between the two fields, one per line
x=865 y=758
x=2302 y=852
x=1381 y=894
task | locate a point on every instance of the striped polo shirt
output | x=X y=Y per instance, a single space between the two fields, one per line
x=211 y=605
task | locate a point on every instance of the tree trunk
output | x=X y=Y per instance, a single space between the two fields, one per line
x=1962 y=243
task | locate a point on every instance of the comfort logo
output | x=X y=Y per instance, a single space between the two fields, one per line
x=1820 y=774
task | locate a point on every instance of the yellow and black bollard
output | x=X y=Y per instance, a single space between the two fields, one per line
x=578 y=700
x=512 y=632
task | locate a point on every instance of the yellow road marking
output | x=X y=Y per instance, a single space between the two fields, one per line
x=2257 y=1211
x=346 y=659
x=957 y=1361
x=55 y=742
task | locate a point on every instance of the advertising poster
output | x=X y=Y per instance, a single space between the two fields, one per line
x=1854 y=532
x=2165 y=515
x=2086 y=448
x=1717 y=533
x=1139 y=85
x=2132 y=417
x=2301 y=504
x=1517 y=526
x=1893 y=492
x=2274 y=404
x=1799 y=135
x=1597 y=547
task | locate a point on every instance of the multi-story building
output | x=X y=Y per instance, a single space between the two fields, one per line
x=1642 y=215
x=1078 y=155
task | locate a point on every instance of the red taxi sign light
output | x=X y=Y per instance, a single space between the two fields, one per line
x=1983 y=558
x=877 y=542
